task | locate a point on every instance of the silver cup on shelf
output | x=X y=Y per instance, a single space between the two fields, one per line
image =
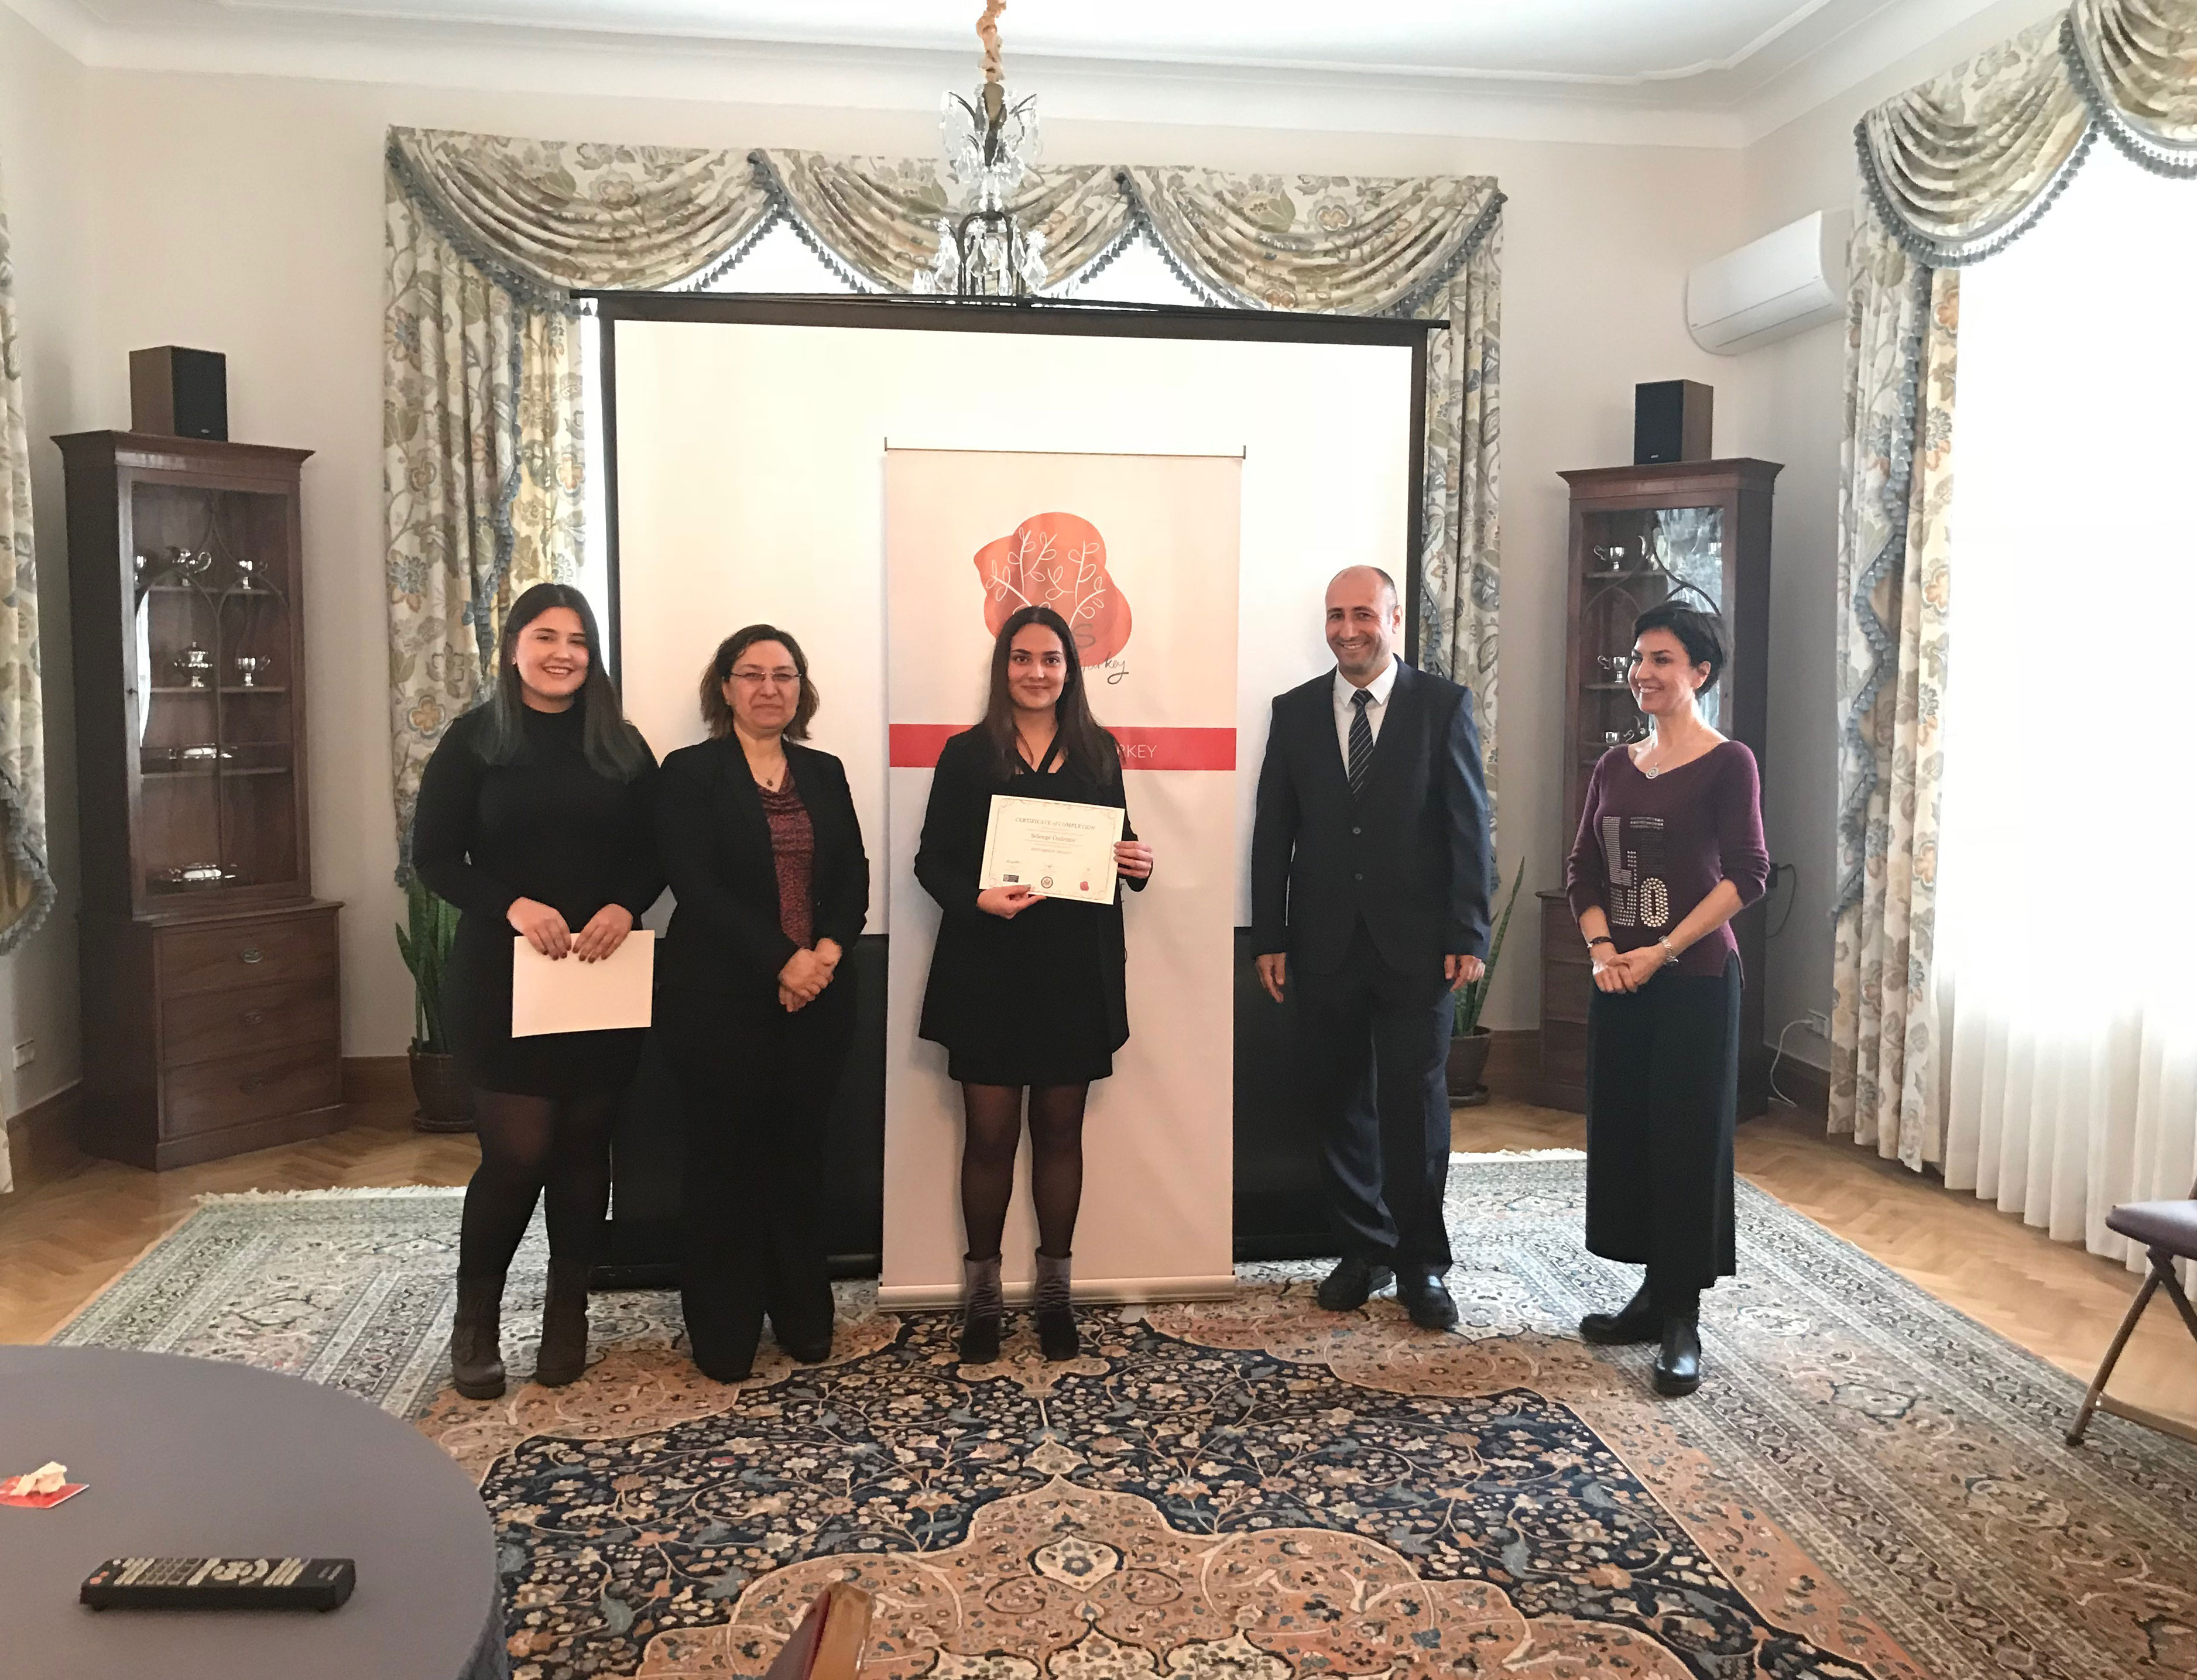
x=194 y=665
x=197 y=875
x=250 y=667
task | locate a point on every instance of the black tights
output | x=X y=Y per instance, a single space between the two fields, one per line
x=994 y=1115
x=528 y=1144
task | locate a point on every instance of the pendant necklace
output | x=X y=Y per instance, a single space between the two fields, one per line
x=1652 y=771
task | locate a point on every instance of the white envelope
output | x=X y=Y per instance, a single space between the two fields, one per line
x=566 y=995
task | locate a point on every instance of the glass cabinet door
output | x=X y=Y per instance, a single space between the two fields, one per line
x=213 y=631
x=1637 y=559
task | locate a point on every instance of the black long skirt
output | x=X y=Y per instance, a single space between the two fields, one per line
x=1662 y=1101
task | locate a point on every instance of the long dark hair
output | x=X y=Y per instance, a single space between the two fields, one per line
x=717 y=712
x=1083 y=744
x=612 y=745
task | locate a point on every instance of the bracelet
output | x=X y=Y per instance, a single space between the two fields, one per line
x=1600 y=939
x=1670 y=956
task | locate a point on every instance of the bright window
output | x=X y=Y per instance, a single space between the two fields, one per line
x=2068 y=808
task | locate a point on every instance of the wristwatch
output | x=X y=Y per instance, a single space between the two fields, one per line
x=1669 y=955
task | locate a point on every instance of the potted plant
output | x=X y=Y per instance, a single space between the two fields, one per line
x=1468 y=1039
x=446 y=1101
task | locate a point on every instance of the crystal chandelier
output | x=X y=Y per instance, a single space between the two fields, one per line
x=991 y=143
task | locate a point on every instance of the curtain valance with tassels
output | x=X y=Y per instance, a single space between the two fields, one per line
x=1969 y=161
x=487 y=236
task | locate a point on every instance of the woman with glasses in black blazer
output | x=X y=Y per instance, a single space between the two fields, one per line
x=755 y=1005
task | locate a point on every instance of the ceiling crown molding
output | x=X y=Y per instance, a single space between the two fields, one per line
x=1648 y=107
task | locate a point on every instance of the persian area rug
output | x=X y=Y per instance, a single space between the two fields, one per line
x=1868 y=1485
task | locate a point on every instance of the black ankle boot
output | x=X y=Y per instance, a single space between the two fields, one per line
x=1679 y=1365
x=1056 y=1312
x=564 y=1353
x=476 y=1360
x=981 y=1308
x=1638 y=1320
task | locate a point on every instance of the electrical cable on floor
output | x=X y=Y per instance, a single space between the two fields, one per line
x=1775 y=1095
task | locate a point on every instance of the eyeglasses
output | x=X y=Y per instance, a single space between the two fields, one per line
x=754 y=678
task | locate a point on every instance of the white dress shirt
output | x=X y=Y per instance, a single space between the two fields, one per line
x=1377 y=708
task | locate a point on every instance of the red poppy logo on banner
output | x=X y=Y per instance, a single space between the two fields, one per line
x=1057 y=560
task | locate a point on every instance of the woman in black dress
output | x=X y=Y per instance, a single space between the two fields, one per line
x=1025 y=992
x=756 y=1007
x=534 y=821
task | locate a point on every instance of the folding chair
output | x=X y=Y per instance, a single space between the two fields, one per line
x=2169 y=1230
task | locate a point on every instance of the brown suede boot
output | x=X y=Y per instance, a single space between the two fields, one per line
x=564 y=1353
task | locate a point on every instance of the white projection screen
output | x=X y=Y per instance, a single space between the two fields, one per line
x=747 y=440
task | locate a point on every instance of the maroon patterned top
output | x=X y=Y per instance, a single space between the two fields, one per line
x=1651 y=847
x=793 y=849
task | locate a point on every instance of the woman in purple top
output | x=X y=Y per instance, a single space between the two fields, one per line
x=1669 y=850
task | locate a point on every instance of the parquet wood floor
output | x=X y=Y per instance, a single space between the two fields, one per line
x=60 y=1244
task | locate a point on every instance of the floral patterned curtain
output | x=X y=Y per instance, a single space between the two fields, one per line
x=1951 y=173
x=482 y=444
x=26 y=887
x=1895 y=485
x=487 y=237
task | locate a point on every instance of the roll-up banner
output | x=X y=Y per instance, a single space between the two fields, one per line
x=1139 y=554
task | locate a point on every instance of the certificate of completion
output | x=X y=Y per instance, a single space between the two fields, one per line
x=1051 y=846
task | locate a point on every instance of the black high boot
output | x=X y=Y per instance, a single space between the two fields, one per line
x=564 y=1353
x=1638 y=1320
x=981 y=1308
x=476 y=1360
x=1679 y=1365
x=1056 y=1312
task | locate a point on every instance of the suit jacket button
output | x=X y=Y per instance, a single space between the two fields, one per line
x=1358 y=831
x=1358 y=877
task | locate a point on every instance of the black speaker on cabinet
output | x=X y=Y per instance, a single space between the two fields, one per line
x=179 y=393
x=1671 y=422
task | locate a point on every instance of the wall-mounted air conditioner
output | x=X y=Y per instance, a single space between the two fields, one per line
x=1783 y=283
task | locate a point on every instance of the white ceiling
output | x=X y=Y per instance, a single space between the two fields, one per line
x=1602 y=41
x=1697 y=72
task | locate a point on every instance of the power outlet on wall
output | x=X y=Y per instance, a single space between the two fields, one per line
x=1818 y=1023
x=26 y=1052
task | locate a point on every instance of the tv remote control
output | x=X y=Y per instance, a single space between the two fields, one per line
x=219 y=1583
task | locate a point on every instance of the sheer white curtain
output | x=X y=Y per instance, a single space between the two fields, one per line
x=2066 y=964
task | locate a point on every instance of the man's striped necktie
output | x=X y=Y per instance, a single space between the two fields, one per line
x=1361 y=738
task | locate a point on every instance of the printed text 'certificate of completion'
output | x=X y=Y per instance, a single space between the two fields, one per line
x=1051 y=846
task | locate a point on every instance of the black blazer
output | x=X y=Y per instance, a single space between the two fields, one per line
x=1409 y=854
x=715 y=843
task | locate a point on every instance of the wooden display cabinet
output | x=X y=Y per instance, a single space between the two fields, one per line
x=1696 y=532
x=211 y=1015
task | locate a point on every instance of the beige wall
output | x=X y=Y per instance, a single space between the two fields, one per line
x=243 y=214
x=44 y=188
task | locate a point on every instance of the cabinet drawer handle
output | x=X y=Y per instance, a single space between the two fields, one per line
x=252 y=1017
x=251 y=953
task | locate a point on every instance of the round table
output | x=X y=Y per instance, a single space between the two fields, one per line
x=198 y=1457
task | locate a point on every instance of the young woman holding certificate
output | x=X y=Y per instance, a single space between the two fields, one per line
x=1027 y=992
x=534 y=821
x=756 y=1005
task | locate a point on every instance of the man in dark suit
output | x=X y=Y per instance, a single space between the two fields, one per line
x=1370 y=875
